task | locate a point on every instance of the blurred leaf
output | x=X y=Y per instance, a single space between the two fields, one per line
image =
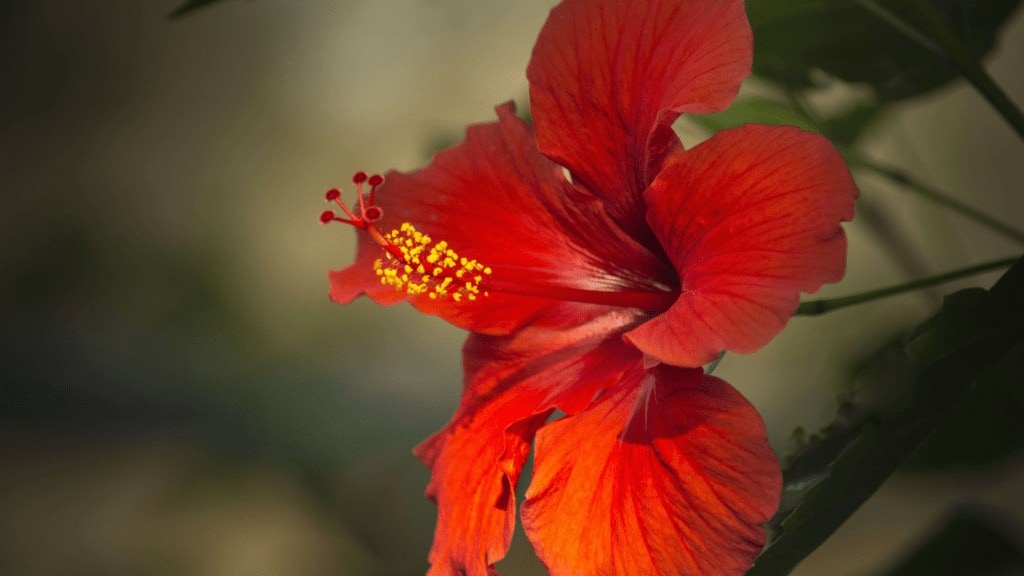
x=879 y=387
x=847 y=127
x=962 y=321
x=190 y=6
x=754 y=110
x=797 y=40
x=969 y=543
x=844 y=128
x=947 y=354
x=986 y=426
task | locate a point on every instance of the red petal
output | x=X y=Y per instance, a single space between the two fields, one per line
x=495 y=199
x=608 y=78
x=670 y=473
x=349 y=283
x=513 y=383
x=474 y=493
x=749 y=218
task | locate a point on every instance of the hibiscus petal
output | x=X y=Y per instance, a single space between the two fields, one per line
x=512 y=385
x=360 y=278
x=608 y=78
x=474 y=494
x=495 y=199
x=670 y=473
x=750 y=218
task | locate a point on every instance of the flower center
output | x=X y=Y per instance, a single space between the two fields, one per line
x=416 y=264
x=413 y=263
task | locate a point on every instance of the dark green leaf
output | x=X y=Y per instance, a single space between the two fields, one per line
x=798 y=40
x=190 y=6
x=879 y=388
x=939 y=337
x=986 y=425
x=969 y=543
x=948 y=353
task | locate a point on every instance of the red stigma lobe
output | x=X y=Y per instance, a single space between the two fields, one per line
x=368 y=212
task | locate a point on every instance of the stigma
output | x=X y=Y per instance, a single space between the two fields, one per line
x=412 y=262
x=368 y=212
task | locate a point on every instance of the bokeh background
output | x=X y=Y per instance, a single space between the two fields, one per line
x=177 y=394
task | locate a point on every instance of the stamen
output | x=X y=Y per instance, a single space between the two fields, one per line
x=414 y=263
x=423 y=266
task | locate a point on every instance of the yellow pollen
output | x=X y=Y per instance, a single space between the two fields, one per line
x=429 y=268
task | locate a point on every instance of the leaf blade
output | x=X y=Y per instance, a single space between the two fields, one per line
x=798 y=40
x=973 y=329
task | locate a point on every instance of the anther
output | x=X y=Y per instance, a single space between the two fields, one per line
x=419 y=265
x=412 y=261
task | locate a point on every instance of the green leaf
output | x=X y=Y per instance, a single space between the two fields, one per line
x=846 y=128
x=986 y=426
x=824 y=485
x=796 y=41
x=939 y=336
x=879 y=388
x=190 y=6
x=753 y=110
x=969 y=543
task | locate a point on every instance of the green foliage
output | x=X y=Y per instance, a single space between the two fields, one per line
x=986 y=426
x=847 y=127
x=878 y=388
x=801 y=43
x=754 y=110
x=844 y=128
x=841 y=467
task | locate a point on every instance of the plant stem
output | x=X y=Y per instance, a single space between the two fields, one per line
x=927 y=192
x=939 y=30
x=935 y=36
x=904 y=179
x=900 y=26
x=816 y=307
x=901 y=177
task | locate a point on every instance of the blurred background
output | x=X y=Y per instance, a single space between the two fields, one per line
x=178 y=395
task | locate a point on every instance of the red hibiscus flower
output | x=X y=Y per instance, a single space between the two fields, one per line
x=598 y=266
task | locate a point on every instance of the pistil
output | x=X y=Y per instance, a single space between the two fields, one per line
x=368 y=211
x=416 y=264
x=651 y=300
